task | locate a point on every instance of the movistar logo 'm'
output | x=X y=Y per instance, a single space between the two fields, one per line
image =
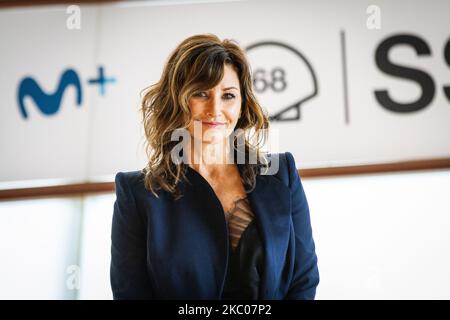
x=48 y=104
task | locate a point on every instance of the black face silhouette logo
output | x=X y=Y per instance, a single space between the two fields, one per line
x=283 y=79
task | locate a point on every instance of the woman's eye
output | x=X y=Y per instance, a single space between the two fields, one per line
x=199 y=94
x=230 y=96
x=202 y=94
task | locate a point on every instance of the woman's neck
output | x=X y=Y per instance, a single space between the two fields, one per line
x=210 y=159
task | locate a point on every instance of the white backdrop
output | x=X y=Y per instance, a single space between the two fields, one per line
x=102 y=134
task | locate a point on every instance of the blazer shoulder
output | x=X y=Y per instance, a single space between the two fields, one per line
x=277 y=163
x=284 y=167
x=129 y=180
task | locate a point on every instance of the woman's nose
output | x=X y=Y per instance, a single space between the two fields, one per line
x=214 y=105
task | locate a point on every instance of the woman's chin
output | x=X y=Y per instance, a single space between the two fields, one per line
x=211 y=140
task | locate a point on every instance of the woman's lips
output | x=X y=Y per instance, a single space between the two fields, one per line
x=212 y=124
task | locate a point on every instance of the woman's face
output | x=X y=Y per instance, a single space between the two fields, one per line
x=216 y=111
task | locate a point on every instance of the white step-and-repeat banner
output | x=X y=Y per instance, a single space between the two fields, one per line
x=345 y=82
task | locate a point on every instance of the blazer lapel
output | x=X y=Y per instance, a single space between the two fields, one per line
x=271 y=203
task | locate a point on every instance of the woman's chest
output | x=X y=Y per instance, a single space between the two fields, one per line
x=229 y=192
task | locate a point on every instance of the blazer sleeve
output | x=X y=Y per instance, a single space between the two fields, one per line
x=306 y=272
x=128 y=272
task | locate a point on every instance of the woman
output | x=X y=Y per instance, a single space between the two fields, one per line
x=193 y=224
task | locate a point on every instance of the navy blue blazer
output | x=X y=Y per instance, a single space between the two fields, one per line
x=178 y=249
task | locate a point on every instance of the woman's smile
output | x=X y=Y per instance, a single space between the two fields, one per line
x=213 y=124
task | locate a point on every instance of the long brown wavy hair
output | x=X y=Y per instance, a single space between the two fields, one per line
x=197 y=63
